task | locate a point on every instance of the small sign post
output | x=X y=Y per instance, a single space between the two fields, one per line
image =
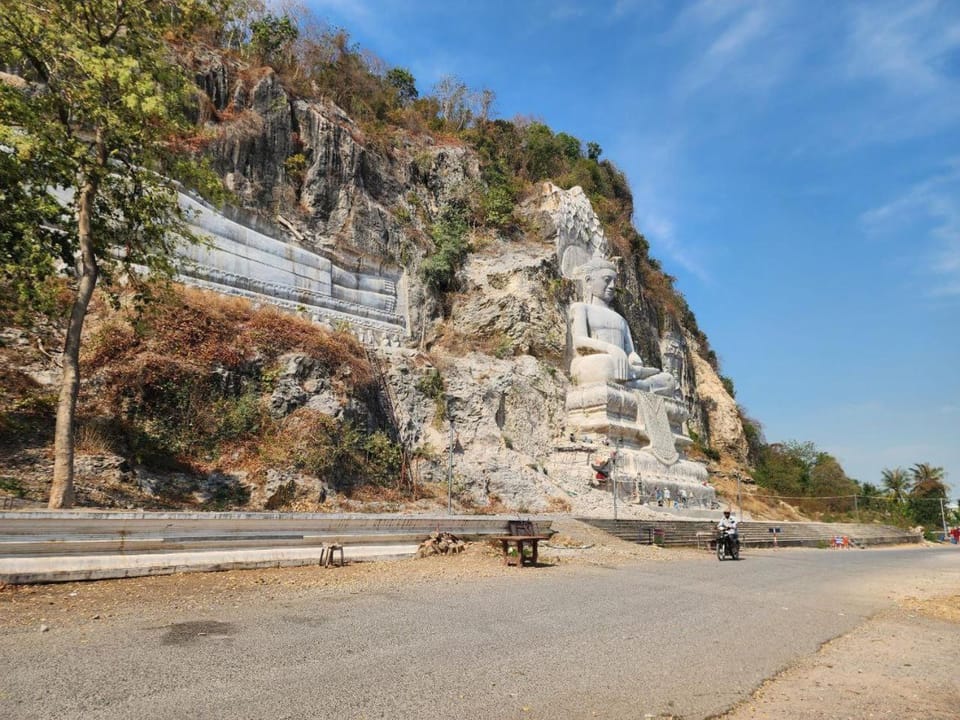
x=774 y=531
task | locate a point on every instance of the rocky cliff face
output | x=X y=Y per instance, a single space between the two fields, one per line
x=499 y=343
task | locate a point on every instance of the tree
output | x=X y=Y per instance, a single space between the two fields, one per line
x=593 y=151
x=829 y=481
x=402 y=80
x=896 y=482
x=569 y=145
x=781 y=471
x=927 y=491
x=454 y=98
x=484 y=101
x=925 y=477
x=270 y=34
x=30 y=215
x=100 y=115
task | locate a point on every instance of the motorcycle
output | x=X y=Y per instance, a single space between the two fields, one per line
x=728 y=545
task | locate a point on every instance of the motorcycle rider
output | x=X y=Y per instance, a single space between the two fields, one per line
x=728 y=529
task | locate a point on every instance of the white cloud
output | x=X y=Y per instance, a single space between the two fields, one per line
x=561 y=11
x=904 y=45
x=355 y=10
x=933 y=204
x=660 y=230
x=657 y=194
x=901 y=55
x=738 y=46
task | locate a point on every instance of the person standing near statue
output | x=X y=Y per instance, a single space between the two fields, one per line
x=601 y=337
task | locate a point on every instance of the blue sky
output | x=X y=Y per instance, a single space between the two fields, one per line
x=795 y=164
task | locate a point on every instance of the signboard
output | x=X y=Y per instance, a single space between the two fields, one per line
x=775 y=531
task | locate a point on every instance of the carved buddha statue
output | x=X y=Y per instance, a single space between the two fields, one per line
x=601 y=338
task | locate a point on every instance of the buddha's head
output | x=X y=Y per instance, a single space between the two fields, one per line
x=599 y=279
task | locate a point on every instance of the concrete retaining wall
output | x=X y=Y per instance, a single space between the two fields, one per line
x=46 y=546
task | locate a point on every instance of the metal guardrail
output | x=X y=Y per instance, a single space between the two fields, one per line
x=47 y=546
x=697 y=533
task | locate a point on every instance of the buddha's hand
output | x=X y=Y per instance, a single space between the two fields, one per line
x=621 y=363
x=637 y=369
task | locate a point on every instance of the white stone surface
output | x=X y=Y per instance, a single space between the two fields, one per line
x=579 y=231
x=239 y=260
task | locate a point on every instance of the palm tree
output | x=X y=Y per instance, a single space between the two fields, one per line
x=896 y=482
x=927 y=493
x=927 y=480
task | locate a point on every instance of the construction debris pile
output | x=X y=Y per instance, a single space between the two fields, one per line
x=441 y=543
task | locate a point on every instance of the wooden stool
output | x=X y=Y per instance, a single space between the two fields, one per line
x=326 y=556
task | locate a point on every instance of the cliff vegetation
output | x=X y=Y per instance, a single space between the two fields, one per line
x=238 y=406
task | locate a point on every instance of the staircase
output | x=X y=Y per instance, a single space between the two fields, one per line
x=700 y=533
x=385 y=396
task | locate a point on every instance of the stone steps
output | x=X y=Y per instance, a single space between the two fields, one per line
x=694 y=533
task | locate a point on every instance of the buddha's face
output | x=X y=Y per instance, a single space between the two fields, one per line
x=601 y=284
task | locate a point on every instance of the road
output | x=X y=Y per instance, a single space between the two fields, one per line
x=688 y=638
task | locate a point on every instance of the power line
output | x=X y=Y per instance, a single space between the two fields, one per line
x=881 y=498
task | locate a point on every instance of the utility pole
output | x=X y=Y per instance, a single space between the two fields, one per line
x=450 y=468
x=856 y=508
x=739 y=500
x=613 y=478
x=943 y=516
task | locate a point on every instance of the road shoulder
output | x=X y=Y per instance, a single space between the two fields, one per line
x=900 y=664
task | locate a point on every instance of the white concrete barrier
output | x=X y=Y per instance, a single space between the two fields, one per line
x=45 y=546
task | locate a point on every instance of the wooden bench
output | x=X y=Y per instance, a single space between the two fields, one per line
x=522 y=535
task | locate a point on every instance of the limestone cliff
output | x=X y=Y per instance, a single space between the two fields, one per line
x=499 y=341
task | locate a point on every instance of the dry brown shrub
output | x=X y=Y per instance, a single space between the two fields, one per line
x=299 y=440
x=558 y=505
x=236 y=127
x=198 y=325
x=14 y=382
x=95 y=438
x=274 y=333
x=207 y=329
x=112 y=339
x=658 y=287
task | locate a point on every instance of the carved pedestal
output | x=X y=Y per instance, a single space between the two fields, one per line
x=646 y=432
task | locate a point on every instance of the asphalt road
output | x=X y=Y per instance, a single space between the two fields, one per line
x=687 y=638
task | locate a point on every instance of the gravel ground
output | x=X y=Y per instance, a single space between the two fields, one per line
x=84 y=602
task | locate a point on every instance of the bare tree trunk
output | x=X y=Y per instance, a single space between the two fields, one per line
x=61 y=491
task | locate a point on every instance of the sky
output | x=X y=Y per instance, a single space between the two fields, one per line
x=795 y=165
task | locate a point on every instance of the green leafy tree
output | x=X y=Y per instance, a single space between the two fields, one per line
x=402 y=80
x=30 y=215
x=569 y=146
x=99 y=114
x=896 y=482
x=594 y=151
x=543 y=155
x=927 y=489
x=271 y=35
x=829 y=481
x=781 y=471
x=449 y=234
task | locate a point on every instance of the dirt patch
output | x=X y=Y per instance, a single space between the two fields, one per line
x=900 y=665
x=89 y=602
